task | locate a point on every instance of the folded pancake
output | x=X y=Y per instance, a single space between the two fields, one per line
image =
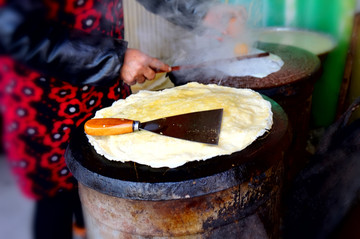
x=246 y=116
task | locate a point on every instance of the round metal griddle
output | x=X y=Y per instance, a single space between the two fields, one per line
x=135 y=181
x=299 y=65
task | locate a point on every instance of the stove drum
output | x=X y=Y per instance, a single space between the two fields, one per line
x=249 y=208
x=228 y=196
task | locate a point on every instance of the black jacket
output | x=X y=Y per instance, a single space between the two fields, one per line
x=72 y=55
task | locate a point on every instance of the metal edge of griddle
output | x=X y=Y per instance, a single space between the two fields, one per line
x=98 y=172
x=299 y=58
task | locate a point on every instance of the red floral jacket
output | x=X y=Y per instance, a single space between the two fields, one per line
x=60 y=64
x=40 y=107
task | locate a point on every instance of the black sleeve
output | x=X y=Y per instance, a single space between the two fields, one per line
x=185 y=13
x=72 y=56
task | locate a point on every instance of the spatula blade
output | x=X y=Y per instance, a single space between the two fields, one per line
x=202 y=126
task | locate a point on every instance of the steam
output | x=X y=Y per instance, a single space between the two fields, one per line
x=182 y=46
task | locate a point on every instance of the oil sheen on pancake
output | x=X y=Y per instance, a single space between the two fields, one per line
x=246 y=117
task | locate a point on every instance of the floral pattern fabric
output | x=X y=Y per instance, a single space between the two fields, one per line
x=39 y=112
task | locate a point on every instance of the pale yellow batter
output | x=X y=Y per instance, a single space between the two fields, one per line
x=246 y=117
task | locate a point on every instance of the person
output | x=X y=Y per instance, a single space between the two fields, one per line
x=60 y=62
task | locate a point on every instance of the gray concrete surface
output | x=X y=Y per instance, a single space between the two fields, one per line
x=15 y=210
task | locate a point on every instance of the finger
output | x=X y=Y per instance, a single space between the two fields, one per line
x=127 y=76
x=149 y=74
x=158 y=65
x=140 y=79
x=130 y=81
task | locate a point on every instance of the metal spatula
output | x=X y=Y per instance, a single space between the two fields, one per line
x=202 y=126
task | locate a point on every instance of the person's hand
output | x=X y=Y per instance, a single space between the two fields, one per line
x=139 y=67
x=226 y=20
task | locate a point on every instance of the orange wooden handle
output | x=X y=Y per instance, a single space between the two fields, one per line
x=108 y=126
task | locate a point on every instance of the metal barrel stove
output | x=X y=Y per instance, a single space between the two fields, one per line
x=228 y=196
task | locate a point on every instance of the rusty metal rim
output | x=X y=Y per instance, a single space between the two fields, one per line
x=159 y=191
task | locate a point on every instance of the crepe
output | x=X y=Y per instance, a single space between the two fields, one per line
x=246 y=116
x=259 y=67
